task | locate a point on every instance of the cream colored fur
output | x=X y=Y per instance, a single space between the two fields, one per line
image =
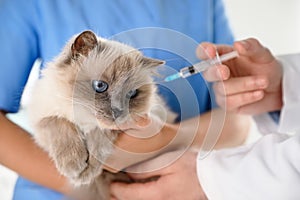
x=72 y=122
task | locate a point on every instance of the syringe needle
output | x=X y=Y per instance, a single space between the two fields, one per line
x=201 y=66
x=172 y=77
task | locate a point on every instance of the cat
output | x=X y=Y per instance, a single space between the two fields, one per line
x=93 y=85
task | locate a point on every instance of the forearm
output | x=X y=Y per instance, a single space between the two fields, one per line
x=19 y=152
x=228 y=128
x=189 y=133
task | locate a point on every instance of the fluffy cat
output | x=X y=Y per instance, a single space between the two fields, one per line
x=91 y=87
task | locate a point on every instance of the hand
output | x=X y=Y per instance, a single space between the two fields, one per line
x=131 y=148
x=177 y=181
x=249 y=84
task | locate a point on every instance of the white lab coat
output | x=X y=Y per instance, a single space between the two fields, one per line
x=268 y=169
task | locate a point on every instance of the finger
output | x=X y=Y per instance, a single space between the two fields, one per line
x=138 y=121
x=144 y=176
x=208 y=50
x=240 y=85
x=216 y=73
x=235 y=101
x=152 y=127
x=153 y=172
x=267 y=103
x=253 y=49
x=157 y=166
x=111 y=169
x=134 y=191
x=149 y=170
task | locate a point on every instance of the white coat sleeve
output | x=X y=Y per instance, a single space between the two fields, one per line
x=268 y=169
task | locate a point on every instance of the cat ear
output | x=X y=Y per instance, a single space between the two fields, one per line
x=150 y=62
x=83 y=44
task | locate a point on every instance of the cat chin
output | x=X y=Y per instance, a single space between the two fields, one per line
x=107 y=124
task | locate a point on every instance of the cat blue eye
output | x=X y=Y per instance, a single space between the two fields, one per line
x=132 y=94
x=99 y=86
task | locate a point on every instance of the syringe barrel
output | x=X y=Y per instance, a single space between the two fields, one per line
x=187 y=71
x=228 y=56
x=205 y=64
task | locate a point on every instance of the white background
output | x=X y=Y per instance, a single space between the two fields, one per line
x=276 y=23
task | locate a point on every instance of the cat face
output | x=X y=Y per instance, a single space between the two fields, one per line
x=110 y=80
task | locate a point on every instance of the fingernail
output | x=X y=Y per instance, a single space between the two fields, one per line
x=258 y=94
x=200 y=52
x=210 y=51
x=245 y=44
x=141 y=121
x=221 y=73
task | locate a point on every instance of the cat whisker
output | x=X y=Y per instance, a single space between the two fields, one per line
x=78 y=102
x=172 y=59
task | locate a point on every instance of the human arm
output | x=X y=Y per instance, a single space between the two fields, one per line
x=271 y=166
x=227 y=130
x=19 y=152
x=177 y=170
x=268 y=169
x=178 y=178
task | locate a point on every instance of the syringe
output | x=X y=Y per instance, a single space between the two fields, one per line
x=201 y=66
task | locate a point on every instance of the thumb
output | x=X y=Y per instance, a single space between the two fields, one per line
x=207 y=50
x=155 y=166
x=253 y=49
x=134 y=190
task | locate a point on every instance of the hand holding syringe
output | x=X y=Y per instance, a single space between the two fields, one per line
x=201 y=66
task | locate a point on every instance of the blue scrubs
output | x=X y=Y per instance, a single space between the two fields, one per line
x=31 y=29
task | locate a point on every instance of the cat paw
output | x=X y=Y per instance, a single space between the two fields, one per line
x=71 y=166
x=77 y=165
x=90 y=172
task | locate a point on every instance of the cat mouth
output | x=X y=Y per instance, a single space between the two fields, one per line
x=124 y=123
x=114 y=124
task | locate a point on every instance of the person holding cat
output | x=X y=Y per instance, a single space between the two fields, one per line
x=256 y=83
x=39 y=29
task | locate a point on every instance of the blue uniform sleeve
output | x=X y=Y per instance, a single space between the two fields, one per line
x=222 y=31
x=18 y=50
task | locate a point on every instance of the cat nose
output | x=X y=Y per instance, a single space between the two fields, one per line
x=117 y=112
